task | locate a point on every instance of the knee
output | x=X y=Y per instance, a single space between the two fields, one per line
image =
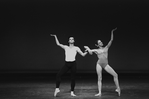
x=116 y=75
x=99 y=78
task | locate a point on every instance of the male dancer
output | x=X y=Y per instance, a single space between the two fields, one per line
x=70 y=63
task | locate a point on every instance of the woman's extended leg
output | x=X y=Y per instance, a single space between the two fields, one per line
x=115 y=76
x=99 y=74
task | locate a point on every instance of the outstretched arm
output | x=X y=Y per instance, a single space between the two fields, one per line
x=89 y=50
x=110 y=42
x=80 y=52
x=57 y=42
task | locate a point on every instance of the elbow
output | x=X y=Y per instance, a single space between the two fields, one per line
x=58 y=44
x=90 y=53
x=83 y=55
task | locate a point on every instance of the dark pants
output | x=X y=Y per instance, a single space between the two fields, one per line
x=68 y=66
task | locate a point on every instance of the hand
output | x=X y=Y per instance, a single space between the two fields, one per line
x=86 y=47
x=52 y=34
x=114 y=29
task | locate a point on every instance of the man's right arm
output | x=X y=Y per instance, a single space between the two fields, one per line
x=57 y=42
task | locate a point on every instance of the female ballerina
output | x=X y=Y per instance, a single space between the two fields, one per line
x=102 y=54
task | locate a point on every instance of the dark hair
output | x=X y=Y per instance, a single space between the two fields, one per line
x=71 y=36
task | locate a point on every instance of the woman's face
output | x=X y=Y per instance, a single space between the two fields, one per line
x=100 y=44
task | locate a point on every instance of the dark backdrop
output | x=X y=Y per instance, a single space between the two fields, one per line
x=26 y=25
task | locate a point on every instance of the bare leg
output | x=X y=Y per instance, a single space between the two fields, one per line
x=115 y=76
x=99 y=73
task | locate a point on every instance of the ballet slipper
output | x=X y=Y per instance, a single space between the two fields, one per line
x=56 y=92
x=119 y=91
x=72 y=94
x=99 y=94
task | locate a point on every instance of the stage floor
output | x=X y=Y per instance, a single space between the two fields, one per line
x=42 y=87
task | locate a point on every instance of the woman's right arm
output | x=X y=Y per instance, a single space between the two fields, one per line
x=89 y=50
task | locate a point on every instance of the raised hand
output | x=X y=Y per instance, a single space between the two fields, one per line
x=52 y=34
x=114 y=29
x=86 y=47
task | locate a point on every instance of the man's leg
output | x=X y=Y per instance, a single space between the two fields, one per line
x=73 y=76
x=58 y=78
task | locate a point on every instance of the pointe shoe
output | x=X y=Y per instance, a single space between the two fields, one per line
x=72 y=94
x=56 y=91
x=99 y=94
x=119 y=91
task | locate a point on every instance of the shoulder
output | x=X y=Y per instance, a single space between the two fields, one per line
x=65 y=46
x=106 y=48
x=76 y=47
x=95 y=50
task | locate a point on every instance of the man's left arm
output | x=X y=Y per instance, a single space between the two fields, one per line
x=80 y=52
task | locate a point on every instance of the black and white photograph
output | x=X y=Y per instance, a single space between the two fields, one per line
x=74 y=49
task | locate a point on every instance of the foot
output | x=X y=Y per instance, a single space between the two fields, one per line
x=72 y=94
x=99 y=94
x=119 y=91
x=56 y=91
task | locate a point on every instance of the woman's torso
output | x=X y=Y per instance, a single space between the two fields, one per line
x=102 y=56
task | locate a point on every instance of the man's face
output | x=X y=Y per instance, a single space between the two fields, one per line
x=71 y=40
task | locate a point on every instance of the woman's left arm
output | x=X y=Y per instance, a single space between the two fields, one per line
x=110 y=42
